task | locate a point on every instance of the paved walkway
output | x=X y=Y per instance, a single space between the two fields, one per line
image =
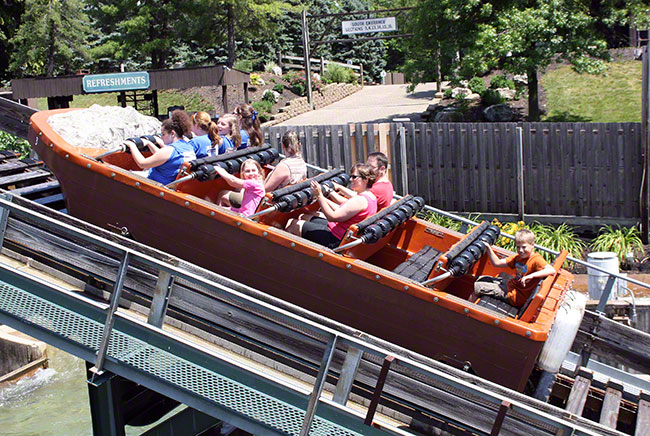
x=380 y=103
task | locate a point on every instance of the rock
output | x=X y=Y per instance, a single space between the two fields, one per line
x=456 y=91
x=473 y=97
x=102 y=126
x=277 y=70
x=440 y=94
x=275 y=94
x=520 y=79
x=507 y=93
x=499 y=113
x=448 y=116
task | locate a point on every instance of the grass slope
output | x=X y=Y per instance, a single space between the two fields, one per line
x=612 y=97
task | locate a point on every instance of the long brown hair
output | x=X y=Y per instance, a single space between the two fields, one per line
x=291 y=143
x=250 y=123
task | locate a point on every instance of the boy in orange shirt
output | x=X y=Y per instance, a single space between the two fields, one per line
x=531 y=267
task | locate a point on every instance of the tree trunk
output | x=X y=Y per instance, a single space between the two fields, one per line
x=533 y=97
x=231 y=35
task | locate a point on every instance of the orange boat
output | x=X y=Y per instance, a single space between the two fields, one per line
x=394 y=276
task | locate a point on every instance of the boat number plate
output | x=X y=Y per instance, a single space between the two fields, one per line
x=434 y=232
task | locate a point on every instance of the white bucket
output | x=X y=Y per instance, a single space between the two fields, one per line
x=597 y=280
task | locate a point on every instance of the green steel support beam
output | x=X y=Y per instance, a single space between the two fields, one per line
x=105 y=409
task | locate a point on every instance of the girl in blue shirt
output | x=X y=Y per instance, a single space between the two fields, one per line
x=249 y=125
x=166 y=160
x=205 y=133
x=229 y=139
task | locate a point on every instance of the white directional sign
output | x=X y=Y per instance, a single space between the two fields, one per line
x=387 y=24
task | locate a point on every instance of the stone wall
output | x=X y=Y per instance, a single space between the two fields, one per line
x=328 y=95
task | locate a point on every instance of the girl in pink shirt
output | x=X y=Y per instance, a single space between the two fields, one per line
x=251 y=181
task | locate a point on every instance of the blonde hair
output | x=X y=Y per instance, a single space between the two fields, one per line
x=260 y=175
x=233 y=123
x=525 y=236
x=291 y=142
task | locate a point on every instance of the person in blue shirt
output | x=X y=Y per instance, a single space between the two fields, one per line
x=165 y=161
x=249 y=125
x=229 y=139
x=205 y=133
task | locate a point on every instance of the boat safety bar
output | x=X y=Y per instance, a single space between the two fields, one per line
x=199 y=377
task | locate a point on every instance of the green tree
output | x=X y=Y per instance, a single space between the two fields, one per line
x=522 y=36
x=10 y=13
x=51 y=39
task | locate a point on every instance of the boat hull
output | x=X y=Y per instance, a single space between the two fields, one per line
x=346 y=290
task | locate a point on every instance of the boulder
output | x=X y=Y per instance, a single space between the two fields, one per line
x=448 y=115
x=277 y=70
x=456 y=91
x=520 y=79
x=440 y=94
x=507 y=93
x=472 y=97
x=499 y=113
x=102 y=126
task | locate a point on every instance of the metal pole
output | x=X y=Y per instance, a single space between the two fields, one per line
x=110 y=319
x=520 y=172
x=305 y=49
x=645 y=135
x=402 y=156
x=318 y=385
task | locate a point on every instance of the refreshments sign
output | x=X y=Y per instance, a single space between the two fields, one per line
x=387 y=24
x=116 y=82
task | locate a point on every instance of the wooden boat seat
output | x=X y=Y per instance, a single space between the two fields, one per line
x=529 y=310
x=367 y=237
x=419 y=265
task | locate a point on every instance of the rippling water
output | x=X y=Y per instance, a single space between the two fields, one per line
x=51 y=402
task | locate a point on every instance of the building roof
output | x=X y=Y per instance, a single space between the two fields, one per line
x=177 y=78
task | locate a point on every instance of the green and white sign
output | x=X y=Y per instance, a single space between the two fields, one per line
x=116 y=82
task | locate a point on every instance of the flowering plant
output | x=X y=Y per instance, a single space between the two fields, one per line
x=298 y=82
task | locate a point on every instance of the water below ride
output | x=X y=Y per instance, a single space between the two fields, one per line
x=51 y=402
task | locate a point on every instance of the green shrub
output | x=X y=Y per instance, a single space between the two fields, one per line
x=448 y=92
x=268 y=67
x=298 y=82
x=447 y=222
x=11 y=142
x=245 y=65
x=264 y=108
x=339 y=74
x=557 y=238
x=476 y=85
x=621 y=240
x=501 y=82
x=462 y=103
x=491 y=97
x=268 y=96
x=278 y=87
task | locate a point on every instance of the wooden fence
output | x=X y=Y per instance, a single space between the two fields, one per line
x=581 y=173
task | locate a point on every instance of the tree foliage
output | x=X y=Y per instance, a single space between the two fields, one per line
x=52 y=38
x=10 y=13
x=520 y=36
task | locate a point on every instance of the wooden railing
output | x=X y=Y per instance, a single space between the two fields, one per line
x=14 y=117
